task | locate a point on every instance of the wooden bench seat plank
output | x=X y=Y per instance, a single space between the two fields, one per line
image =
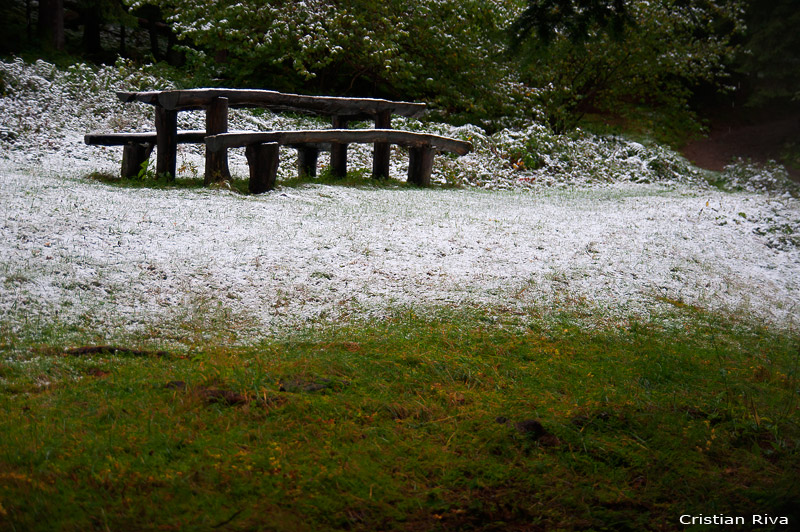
x=121 y=139
x=340 y=136
x=263 y=155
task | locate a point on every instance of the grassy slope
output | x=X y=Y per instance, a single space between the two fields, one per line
x=411 y=424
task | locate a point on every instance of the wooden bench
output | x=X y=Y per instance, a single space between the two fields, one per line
x=263 y=155
x=216 y=101
x=137 y=147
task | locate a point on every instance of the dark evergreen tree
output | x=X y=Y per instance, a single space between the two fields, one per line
x=770 y=58
x=51 y=22
x=577 y=20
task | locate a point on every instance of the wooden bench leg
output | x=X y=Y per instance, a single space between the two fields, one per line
x=339 y=151
x=263 y=160
x=216 y=161
x=134 y=156
x=420 y=166
x=166 y=141
x=381 y=150
x=307 y=161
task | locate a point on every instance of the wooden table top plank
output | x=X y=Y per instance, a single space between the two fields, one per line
x=184 y=99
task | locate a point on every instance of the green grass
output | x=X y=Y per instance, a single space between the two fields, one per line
x=360 y=178
x=409 y=424
x=149 y=180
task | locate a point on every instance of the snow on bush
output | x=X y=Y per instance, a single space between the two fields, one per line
x=46 y=111
x=769 y=178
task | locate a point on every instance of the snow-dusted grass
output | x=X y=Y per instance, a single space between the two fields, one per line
x=139 y=259
x=611 y=226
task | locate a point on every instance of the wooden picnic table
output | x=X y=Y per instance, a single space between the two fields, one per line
x=216 y=102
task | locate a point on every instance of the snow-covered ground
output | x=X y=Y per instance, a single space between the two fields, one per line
x=633 y=239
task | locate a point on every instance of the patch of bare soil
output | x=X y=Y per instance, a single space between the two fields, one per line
x=756 y=135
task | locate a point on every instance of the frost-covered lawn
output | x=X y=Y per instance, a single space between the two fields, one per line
x=541 y=221
x=116 y=259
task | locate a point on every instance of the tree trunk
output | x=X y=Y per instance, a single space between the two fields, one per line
x=29 y=19
x=91 y=32
x=153 y=31
x=51 y=22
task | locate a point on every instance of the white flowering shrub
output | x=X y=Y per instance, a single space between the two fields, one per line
x=448 y=53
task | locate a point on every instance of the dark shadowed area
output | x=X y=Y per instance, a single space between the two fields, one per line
x=758 y=135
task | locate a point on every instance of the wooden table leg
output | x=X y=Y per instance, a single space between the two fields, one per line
x=381 y=150
x=166 y=141
x=307 y=161
x=134 y=157
x=339 y=151
x=420 y=166
x=216 y=161
x=263 y=160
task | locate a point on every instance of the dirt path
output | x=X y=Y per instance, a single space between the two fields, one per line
x=758 y=136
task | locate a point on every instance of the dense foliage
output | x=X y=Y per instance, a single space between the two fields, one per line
x=445 y=52
x=639 y=53
x=571 y=56
x=769 y=61
x=491 y=63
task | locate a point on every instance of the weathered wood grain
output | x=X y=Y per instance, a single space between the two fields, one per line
x=381 y=150
x=342 y=136
x=339 y=149
x=134 y=156
x=121 y=139
x=216 y=123
x=263 y=160
x=307 y=156
x=166 y=142
x=329 y=105
x=420 y=165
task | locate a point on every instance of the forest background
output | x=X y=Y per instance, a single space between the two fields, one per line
x=665 y=69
